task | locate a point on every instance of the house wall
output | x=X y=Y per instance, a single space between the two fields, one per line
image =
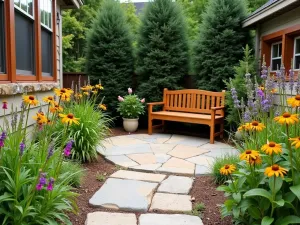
x=12 y=93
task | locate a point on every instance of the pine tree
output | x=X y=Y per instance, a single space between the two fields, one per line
x=162 y=49
x=220 y=43
x=109 y=54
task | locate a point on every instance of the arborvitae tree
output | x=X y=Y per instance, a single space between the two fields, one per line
x=109 y=52
x=220 y=43
x=162 y=49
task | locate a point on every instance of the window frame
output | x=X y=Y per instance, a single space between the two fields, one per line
x=10 y=75
x=275 y=43
x=3 y=42
x=295 y=54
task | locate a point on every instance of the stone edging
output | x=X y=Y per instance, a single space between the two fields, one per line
x=20 y=88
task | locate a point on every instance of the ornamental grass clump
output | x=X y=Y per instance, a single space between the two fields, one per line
x=81 y=108
x=264 y=187
x=34 y=189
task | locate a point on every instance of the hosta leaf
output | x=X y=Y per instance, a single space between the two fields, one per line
x=258 y=192
x=296 y=190
x=288 y=220
x=267 y=220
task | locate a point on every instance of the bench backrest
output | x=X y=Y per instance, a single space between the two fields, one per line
x=193 y=100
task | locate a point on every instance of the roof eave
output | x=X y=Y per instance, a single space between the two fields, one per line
x=255 y=18
x=76 y=4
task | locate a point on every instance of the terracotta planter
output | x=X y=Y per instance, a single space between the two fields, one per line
x=130 y=125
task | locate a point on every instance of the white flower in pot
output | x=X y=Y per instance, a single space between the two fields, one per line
x=130 y=108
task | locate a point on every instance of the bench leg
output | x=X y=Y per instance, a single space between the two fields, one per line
x=212 y=133
x=163 y=125
x=221 y=130
x=150 y=125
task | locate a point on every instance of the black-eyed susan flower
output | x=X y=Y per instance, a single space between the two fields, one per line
x=227 y=169
x=40 y=118
x=78 y=95
x=272 y=147
x=48 y=99
x=99 y=86
x=86 y=93
x=257 y=126
x=246 y=127
x=287 y=118
x=30 y=100
x=249 y=154
x=294 y=102
x=94 y=91
x=69 y=118
x=295 y=142
x=62 y=93
x=102 y=106
x=87 y=88
x=275 y=170
x=256 y=161
x=56 y=108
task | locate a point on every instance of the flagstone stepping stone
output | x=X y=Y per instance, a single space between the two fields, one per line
x=193 y=141
x=131 y=175
x=184 y=152
x=105 y=218
x=122 y=160
x=162 y=148
x=167 y=219
x=126 y=150
x=202 y=170
x=175 y=170
x=147 y=167
x=202 y=160
x=176 y=185
x=175 y=139
x=131 y=195
x=218 y=152
x=125 y=140
x=162 y=158
x=145 y=158
x=178 y=163
x=171 y=203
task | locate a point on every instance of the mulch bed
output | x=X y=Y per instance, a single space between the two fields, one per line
x=204 y=190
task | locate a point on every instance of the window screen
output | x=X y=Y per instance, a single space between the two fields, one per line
x=276 y=56
x=2 y=38
x=46 y=52
x=24 y=27
x=297 y=53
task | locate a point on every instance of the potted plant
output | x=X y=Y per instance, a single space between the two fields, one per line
x=130 y=108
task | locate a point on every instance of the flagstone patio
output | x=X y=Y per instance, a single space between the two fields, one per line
x=164 y=153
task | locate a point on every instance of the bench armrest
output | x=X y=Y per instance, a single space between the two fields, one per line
x=217 y=108
x=156 y=103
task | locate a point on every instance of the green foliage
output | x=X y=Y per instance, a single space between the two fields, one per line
x=198 y=209
x=70 y=167
x=34 y=189
x=131 y=17
x=93 y=128
x=220 y=43
x=247 y=65
x=100 y=177
x=109 y=52
x=131 y=107
x=255 y=4
x=219 y=163
x=162 y=49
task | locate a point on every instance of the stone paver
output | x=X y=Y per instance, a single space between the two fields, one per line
x=145 y=158
x=126 y=150
x=171 y=203
x=122 y=160
x=202 y=170
x=184 y=152
x=121 y=194
x=176 y=185
x=165 y=153
x=147 y=167
x=105 y=218
x=167 y=219
x=131 y=175
x=202 y=160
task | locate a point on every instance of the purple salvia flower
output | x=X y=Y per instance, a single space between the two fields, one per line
x=50 y=184
x=264 y=71
x=42 y=182
x=277 y=113
x=22 y=105
x=50 y=151
x=247 y=116
x=298 y=84
x=22 y=147
x=291 y=79
x=67 y=150
x=266 y=105
x=260 y=93
x=2 y=139
x=234 y=96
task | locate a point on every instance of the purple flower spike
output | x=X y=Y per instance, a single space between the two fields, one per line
x=68 y=148
x=50 y=151
x=22 y=147
x=264 y=71
x=50 y=184
x=2 y=139
x=234 y=96
x=42 y=182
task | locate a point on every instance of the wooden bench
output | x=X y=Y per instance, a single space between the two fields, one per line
x=190 y=106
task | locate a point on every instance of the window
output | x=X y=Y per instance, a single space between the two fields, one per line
x=297 y=53
x=46 y=26
x=24 y=35
x=2 y=38
x=276 y=56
